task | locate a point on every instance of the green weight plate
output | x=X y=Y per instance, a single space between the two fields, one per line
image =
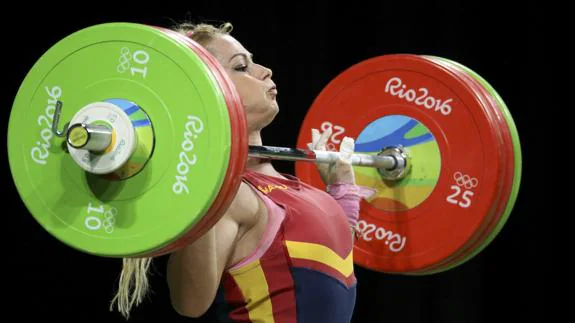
x=191 y=130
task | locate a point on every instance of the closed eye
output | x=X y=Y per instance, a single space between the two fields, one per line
x=241 y=68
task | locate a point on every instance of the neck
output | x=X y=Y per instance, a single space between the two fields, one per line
x=260 y=165
x=254 y=139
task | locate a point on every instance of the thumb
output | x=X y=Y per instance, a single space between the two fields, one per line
x=346 y=149
x=344 y=172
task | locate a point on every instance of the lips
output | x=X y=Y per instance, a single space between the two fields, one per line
x=273 y=90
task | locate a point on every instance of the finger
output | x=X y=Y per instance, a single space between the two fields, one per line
x=347 y=145
x=314 y=137
x=346 y=149
x=323 y=139
x=344 y=172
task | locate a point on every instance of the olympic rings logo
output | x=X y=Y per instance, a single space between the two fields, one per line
x=124 y=60
x=98 y=218
x=464 y=180
x=110 y=220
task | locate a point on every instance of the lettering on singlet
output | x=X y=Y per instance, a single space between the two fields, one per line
x=270 y=187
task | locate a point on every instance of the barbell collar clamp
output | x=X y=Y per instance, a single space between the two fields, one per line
x=55 y=123
x=95 y=138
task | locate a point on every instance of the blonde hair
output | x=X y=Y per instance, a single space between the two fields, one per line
x=133 y=284
x=203 y=33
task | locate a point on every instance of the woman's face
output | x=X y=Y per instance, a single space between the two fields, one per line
x=252 y=81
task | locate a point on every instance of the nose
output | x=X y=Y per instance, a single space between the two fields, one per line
x=265 y=72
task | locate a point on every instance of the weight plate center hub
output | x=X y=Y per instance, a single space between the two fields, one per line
x=113 y=138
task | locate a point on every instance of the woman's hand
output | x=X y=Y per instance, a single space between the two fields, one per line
x=340 y=172
x=339 y=177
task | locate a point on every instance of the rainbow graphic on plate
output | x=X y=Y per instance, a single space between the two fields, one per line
x=395 y=130
x=145 y=136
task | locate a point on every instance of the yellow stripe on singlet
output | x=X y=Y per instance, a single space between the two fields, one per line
x=323 y=254
x=252 y=282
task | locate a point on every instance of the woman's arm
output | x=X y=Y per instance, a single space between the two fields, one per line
x=194 y=272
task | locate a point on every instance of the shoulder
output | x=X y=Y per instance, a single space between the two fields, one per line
x=245 y=205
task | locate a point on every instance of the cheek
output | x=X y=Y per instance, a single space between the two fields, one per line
x=248 y=92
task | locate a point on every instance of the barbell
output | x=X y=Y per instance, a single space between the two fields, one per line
x=129 y=140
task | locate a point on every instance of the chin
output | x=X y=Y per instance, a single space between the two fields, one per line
x=275 y=109
x=266 y=122
x=269 y=117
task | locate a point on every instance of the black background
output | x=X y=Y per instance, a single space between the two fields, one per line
x=306 y=45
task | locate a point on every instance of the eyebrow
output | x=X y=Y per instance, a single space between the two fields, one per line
x=242 y=54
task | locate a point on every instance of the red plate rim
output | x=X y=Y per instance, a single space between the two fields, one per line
x=238 y=151
x=507 y=171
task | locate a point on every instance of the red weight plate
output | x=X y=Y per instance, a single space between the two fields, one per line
x=392 y=100
x=239 y=148
x=507 y=176
x=236 y=113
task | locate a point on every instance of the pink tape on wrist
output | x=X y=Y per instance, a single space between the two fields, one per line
x=349 y=196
